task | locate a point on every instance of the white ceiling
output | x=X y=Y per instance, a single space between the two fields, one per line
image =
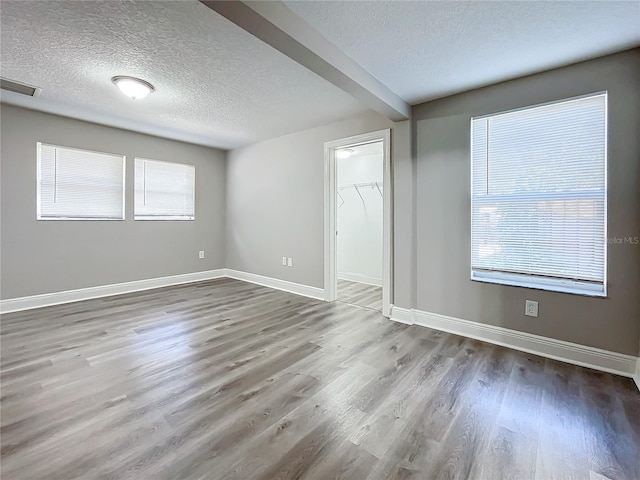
x=429 y=49
x=220 y=86
x=367 y=150
x=215 y=83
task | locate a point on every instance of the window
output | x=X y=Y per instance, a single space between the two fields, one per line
x=164 y=190
x=539 y=196
x=77 y=184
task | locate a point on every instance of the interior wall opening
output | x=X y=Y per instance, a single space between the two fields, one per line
x=359 y=224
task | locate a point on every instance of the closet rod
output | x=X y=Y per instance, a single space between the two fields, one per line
x=361 y=185
x=358 y=186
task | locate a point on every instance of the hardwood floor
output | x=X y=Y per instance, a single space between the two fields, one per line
x=228 y=380
x=360 y=294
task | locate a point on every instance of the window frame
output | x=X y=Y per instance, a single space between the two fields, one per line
x=534 y=281
x=163 y=218
x=40 y=217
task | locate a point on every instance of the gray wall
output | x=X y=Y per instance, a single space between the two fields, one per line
x=274 y=208
x=51 y=256
x=403 y=163
x=443 y=209
x=275 y=201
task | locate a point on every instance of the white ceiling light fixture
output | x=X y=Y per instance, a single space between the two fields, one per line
x=133 y=87
x=344 y=153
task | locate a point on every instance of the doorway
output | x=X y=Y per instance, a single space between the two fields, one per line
x=359 y=190
x=358 y=221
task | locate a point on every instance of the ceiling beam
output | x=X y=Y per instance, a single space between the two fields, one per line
x=273 y=23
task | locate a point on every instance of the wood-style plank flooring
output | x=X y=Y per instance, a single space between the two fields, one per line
x=228 y=380
x=360 y=294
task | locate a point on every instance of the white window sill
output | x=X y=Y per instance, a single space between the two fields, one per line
x=540 y=283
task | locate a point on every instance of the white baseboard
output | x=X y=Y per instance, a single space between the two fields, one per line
x=591 y=357
x=402 y=315
x=613 y=362
x=47 y=299
x=284 y=285
x=68 y=296
x=357 y=277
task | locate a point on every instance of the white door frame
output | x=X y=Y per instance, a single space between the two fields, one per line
x=330 y=269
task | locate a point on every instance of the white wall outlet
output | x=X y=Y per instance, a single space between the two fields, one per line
x=531 y=308
x=290 y=262
x=284 y=261
x=201 y=254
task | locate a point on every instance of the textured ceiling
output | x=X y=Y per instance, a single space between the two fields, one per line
x=218 y=85
x=430 y=49
x=215 y=84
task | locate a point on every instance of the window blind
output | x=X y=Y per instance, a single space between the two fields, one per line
x=164 y=190
x=76 y=184
x=539 y=196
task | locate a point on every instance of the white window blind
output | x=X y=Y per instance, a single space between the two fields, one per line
x=539 y=196
x=164 y=190
x=76 y=184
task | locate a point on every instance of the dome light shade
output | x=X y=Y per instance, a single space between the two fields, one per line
x=132 y=87
x=344 y=153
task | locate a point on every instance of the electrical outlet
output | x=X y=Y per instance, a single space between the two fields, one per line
x=284 y=261
x=201 y=254
x=290 y=262
x=531 y=308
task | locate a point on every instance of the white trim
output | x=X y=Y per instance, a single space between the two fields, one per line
x=68 y=296
x=564 y=285
x=163 y=216
x=39 y=215
x=47 y=299
x=359 y=278
x=330 y=275
x=543 y=104
x=402 y=315
x=591 y=357
x=291 y=287
x=593 y=288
